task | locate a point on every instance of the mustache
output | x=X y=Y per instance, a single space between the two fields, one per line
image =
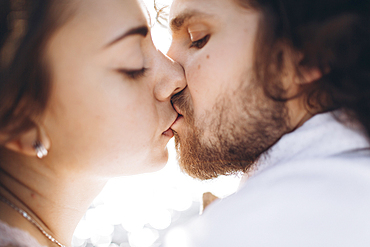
x=181 y=101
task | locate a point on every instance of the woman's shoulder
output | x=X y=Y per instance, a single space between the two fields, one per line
x=14 y=237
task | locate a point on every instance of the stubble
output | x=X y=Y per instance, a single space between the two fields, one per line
x=243 y=125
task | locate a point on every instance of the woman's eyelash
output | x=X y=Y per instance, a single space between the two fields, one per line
x=200 y=43
x=134 y=74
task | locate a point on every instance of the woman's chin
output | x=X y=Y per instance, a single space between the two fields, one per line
x=154 y=163
x=159 y=162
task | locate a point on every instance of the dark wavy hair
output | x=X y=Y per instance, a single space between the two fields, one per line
x=333 y=36
x=25 y=27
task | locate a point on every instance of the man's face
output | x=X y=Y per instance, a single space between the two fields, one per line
x=227 y=121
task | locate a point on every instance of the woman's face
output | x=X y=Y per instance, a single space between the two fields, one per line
x=110 y=110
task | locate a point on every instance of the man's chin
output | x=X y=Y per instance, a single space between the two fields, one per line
x=206 y=162
x=235 y=136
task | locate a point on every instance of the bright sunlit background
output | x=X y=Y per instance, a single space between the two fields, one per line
x=144 y=210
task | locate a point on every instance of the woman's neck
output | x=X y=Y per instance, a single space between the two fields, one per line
x=56 y=201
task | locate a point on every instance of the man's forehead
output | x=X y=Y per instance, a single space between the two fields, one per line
x=194 y=7
x=177 y=21
x=183 y=10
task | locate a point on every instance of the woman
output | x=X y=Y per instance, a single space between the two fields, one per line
x=85 y=96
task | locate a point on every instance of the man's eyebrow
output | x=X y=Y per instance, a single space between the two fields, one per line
x=142 y=30
x=177 y=22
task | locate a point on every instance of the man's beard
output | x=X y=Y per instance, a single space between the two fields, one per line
x=243 y=125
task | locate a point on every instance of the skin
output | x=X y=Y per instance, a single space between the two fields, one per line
x=105 y=118
x=214 y=40
x=212 y=72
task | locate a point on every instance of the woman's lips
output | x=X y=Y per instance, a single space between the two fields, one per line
x=168 y=133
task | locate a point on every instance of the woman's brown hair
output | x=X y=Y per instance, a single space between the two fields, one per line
x=25 y=27
x=333 y=36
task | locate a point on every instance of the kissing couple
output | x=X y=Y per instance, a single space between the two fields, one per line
x=278 y=90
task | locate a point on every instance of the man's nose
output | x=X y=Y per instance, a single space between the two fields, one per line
x=172 y=80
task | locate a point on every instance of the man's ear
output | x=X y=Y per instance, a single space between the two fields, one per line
x=309 y=75
x=25 y=142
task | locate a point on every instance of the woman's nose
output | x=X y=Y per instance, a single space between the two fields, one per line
x=171 y=81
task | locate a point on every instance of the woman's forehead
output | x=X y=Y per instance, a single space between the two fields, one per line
x=113 y=12
x=102 y=21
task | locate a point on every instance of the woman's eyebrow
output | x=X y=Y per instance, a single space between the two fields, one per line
x=141 y=30
x=177 y=22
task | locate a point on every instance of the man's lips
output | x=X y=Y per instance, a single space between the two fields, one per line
x=177 y=121
x=177 y=109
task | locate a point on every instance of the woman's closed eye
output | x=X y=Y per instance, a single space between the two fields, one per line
x=134 y=74
x=200 y=43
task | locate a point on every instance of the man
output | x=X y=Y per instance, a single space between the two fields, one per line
x=279 y=90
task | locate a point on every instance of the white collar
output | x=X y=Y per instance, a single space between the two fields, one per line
x=321 y=136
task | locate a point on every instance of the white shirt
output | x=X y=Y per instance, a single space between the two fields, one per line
x=311 y=189
x=11 y=236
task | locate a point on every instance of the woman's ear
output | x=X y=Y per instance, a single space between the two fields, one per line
x=25 y=142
